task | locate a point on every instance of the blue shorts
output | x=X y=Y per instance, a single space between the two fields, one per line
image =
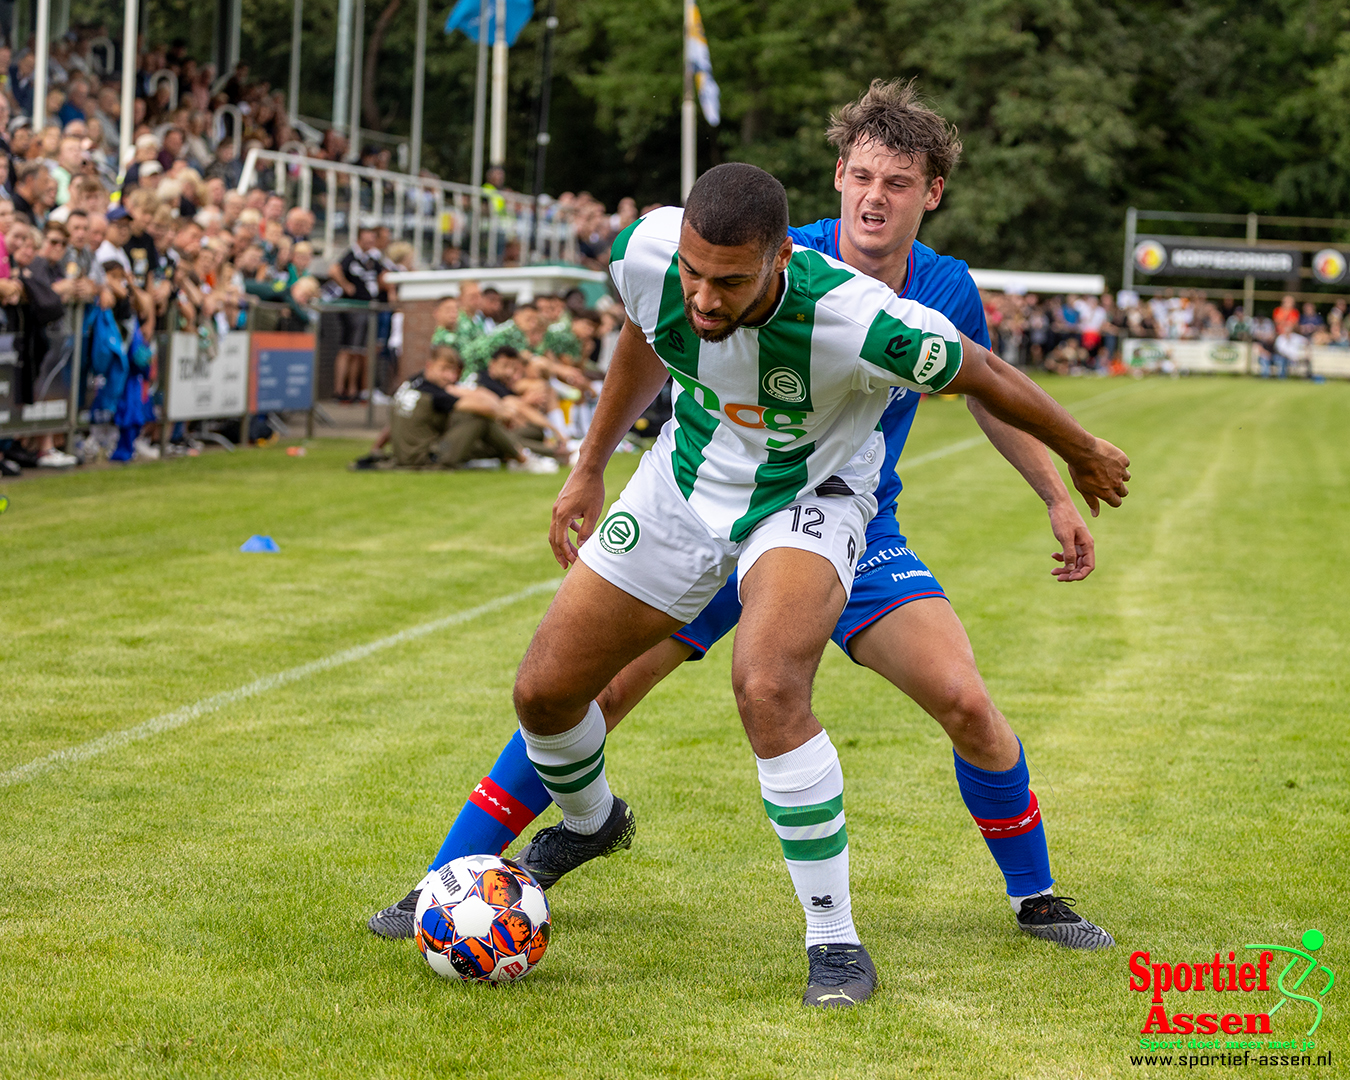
x=889 y=576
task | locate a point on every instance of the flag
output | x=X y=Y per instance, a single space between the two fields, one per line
x=699 y=61
x=465 y=17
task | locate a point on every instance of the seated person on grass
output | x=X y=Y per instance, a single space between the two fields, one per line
x=436 y=421
x=525 y=402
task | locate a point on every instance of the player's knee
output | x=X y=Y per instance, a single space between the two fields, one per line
x=537 y=700
x=770 y=696
x=967 y=713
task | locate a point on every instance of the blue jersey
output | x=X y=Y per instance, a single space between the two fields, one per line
x=936 y=281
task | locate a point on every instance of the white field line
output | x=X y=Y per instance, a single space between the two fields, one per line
x=185 y=715
x=977 y=440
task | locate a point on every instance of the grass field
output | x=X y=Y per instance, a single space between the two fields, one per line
x=192 y=903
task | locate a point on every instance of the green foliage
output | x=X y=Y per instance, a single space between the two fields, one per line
x=1070 y=110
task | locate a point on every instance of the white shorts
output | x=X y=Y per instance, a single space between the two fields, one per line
x=654 y=547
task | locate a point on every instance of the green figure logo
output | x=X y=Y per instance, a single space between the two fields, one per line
x=1312 y=941
x=619 y=533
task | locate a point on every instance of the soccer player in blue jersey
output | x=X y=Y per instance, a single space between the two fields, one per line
x=894 y=159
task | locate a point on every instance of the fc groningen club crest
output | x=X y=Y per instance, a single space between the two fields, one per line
x=619 y=533
x=785 y=384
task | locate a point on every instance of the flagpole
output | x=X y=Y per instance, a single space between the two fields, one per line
x=688 y=113
x=479 y=115
x=497 y=147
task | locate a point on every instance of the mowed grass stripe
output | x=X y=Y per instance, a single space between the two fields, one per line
x=176 y=719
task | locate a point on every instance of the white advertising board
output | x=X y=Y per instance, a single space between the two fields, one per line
x=1331 y=362
x=202 y=385
x=1207 y=357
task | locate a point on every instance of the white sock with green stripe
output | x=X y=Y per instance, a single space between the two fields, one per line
x=571 y=766
x=804 y=795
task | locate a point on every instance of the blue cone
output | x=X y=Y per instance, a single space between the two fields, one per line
x=259 y=543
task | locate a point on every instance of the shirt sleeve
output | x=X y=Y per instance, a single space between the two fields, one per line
x=909 y=345
x=967 y=312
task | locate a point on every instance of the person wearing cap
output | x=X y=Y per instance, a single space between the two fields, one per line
x=118 y=233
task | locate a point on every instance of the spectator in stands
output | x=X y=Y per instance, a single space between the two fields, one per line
x=1291 y=350
x=299 y=223
x=1310 y=322
x=77 y=105
x=34 y=191
x=359 y=274
x=21 y=81
x=1285 y=316
x=113 y=247
x=70 y=161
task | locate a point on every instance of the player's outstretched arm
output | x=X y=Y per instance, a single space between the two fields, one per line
x=1099 y=470
x=1029 y=457
x=635 y=377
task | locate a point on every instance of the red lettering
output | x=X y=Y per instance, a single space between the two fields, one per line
x=1231 y=1024
x=1158 y=1016
x=1266 y=958
x=1206 y=1024
x=1217 y=968
x=1200 y=970
x=1162 y=980
x=1181 y=977
x=1232 y=973
x=1253 y=1028
x=1182 y=1023
x=1247 y=978
x=1139 y=970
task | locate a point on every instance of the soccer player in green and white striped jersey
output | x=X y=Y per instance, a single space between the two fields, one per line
x=784 y=360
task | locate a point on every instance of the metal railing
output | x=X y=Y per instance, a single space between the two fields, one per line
x=482 y=222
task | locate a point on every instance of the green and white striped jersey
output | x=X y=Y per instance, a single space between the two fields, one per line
x=778 y=409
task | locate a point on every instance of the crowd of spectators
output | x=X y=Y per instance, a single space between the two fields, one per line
x=155 y=235
x=1075 y=335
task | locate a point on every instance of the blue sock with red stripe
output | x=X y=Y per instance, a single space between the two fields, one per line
x=502 y=804
x=1005 y=809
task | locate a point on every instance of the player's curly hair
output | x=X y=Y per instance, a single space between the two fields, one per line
x=890 y=113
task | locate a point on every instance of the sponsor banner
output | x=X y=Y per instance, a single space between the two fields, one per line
x=1330 y=362
x=207 y=380
x=1201 y=258
x=1228 y=357
x=281 y=369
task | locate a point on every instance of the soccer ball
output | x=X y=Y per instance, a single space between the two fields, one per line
x=482 y=919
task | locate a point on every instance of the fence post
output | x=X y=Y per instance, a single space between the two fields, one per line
x=166 y=378
x=76 y=373
x=372 y=340
x=1249 y=291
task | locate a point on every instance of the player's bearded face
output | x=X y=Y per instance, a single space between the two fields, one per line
x=724 y=288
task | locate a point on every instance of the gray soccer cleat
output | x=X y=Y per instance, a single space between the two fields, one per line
x=397 y=920
x=558 y=850
x=840 y=976
x=1051 y=918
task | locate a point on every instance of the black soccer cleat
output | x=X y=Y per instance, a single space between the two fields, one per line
x=397 y=920
x=840 y=976
x=558 y=850
x=1051 y=918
